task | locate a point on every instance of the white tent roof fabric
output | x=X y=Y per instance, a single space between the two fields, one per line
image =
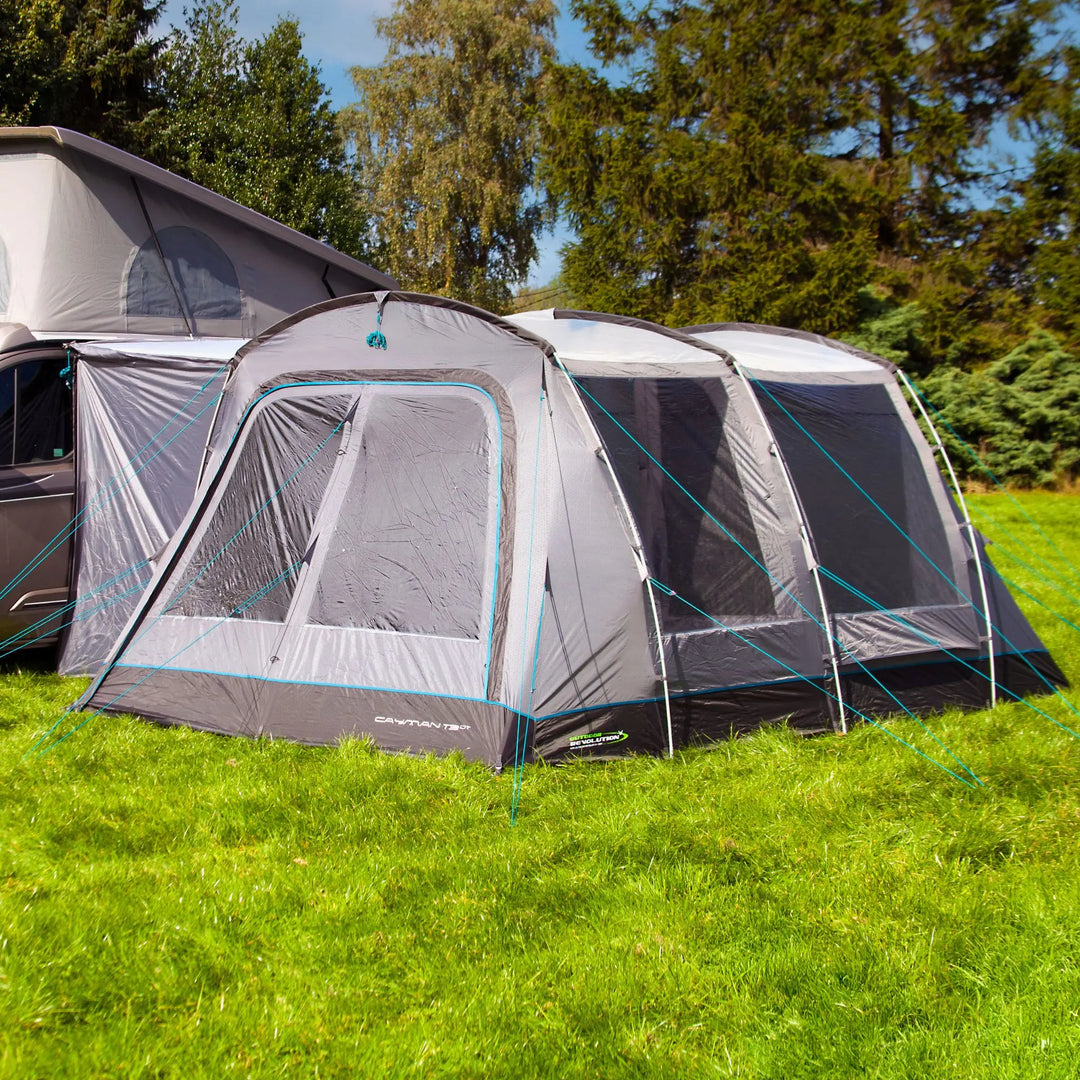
x=567 y=533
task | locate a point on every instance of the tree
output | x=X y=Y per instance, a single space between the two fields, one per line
x=84 y=65
x=446 y=135
x=765 y=162
x=250 y=120
x=1051 y=211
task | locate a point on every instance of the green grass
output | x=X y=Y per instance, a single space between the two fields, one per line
x=174 y=904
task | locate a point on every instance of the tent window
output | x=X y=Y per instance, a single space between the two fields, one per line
x=861 y=429
x=5 y=279
x=197 y=267
x=35 y=412
x=680 y=423
x=409 y=547
x=247 y=561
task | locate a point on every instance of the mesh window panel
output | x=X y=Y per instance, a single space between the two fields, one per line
x=262 y=525
x=409 y=547
x=197 y=267
x=680 y=422
x=860 y=428
x=43 y=427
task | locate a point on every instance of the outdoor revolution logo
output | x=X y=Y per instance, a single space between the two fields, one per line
x=596 y=738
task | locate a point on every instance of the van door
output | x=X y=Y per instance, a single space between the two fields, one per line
x=37 y=495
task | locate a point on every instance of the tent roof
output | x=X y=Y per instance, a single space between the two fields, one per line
x=11 y=137
x=778 y=351
x=585 y=338
x=223 y=349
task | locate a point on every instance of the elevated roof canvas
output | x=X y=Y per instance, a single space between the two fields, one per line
x=94 y=241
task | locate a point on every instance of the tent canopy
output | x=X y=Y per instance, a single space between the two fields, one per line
x=562 y=533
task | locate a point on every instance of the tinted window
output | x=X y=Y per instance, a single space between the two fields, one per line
x=247 y=563
x=35 y=412
x=5 y=280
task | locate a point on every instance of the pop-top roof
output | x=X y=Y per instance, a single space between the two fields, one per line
x=95 y=241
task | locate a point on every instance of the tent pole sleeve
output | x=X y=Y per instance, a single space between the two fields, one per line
x=939 y=446
x=637 y=544
x=204 y=461
x=164 y=262
x=809 y=552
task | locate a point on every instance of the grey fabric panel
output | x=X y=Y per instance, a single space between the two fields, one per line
x=942 y=683
x=716 y=331
x=874 y=635
x=595 y=645
x=604 y=734
x=721 y=658
x=316 y=715
x=409 y=550
x=141 y=430
x=440 y=339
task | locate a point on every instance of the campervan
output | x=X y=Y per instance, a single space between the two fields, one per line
x=98 y=244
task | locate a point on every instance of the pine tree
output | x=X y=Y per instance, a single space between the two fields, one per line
x=763 y=163
x=251 y=121
x=84 y=65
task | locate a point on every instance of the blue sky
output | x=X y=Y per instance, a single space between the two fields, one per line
x=340 y=34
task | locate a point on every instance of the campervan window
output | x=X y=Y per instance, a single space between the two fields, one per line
x=197 y=267
x=5 y=279
x=35 y=412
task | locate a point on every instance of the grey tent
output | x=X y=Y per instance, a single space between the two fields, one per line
x=565 y=533
x=117 y=279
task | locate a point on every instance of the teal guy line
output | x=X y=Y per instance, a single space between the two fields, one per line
x=997 y=483
x=1046 y=607
x=959 y=659
x=98 y=502
x=945 y=577
x=19 y=640
x=825 y=629
x=104 y=605
x=253 y=599
x=805 y=678
x=1048 y=582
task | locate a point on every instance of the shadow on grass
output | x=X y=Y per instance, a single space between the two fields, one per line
x=39 y=661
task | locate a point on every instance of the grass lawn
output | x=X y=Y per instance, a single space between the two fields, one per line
x=175 y=904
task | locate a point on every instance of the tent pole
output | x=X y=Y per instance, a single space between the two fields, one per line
x=939 y=446
x=808 y=547
x=638 y=549
x=663 y=663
